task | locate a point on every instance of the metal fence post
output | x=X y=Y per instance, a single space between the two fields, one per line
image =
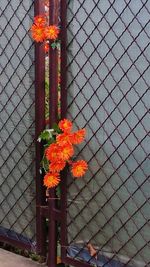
x=40 y=125
x=53 y=117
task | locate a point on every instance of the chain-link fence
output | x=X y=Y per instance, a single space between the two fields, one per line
x=17 y=127
x=108 y=56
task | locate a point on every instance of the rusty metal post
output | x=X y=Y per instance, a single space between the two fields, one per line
x=63 y=36
x=53 y=67
x=53 y=117
x=40 y=125
x=63 y=17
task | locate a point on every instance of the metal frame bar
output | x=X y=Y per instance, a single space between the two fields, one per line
x=53 y=117
x=63 y=37
x=40 y=125
x=53 y=67
x=15 y=243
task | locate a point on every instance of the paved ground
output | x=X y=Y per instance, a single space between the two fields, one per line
x=8 y=259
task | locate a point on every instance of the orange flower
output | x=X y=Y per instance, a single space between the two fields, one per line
x=57 y=166
x=78 y=137
x=51 y=179
x=79 y=168
x=52 y=153
x=38 y=33
x=40 y=20
x=67 y=151
x=65 y=125
x=51 y=32
x=46 y=47
x=64 y=138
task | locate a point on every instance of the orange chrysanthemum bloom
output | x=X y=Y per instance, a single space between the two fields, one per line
x=67 y=151
x=53 y=152
x=64 y=138
x=79 y=136
x=51 y=179
x=65 y=125
x=38 y=33
x=40 y=20
x=46 y=47
x=51 y=32
x=79 y=168
x=57 y=166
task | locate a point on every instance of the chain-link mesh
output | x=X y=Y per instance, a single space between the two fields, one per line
x=108 y=56
x=17 y=157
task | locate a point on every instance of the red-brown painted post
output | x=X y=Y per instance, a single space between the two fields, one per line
x=39 y=126
x=53 y=67
x=63 y=37
x=53 y=117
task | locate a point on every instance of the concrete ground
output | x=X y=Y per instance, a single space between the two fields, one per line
x=9 y=259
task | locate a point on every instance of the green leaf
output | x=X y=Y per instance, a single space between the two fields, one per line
x=46 y=135
x=54 y=45
x=56 y=128
x=45 y=164
x=58 y=191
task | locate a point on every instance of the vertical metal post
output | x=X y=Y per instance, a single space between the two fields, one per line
x=53 y=67
x=63 y=233
x=39 y=126
x=63 y=37
x=52 y=236
x=53 y=116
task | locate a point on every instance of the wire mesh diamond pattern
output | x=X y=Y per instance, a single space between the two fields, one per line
x=17 y=158
x=108 y=79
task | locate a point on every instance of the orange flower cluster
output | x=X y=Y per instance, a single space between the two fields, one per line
x=41 y=31
x=59 y=154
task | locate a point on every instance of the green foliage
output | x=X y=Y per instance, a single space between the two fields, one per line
x=55 y=45
x=48 y=136
x=56 y=128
